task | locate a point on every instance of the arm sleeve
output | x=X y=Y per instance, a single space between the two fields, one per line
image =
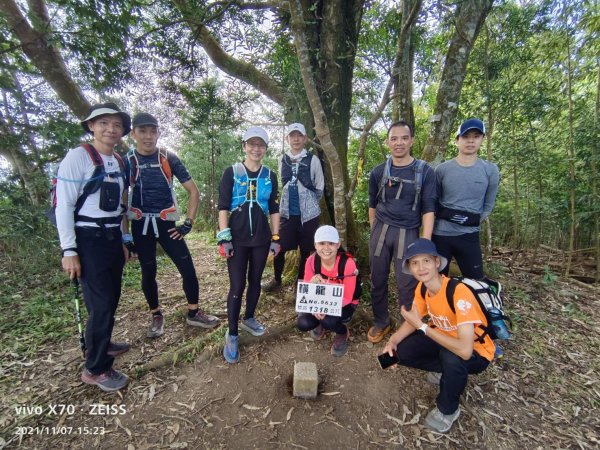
x=317 y=175
x=274 y=198
x=178 y=169
x=308 y=268
x=349 y=281
x=374 y=180
x=70 y=178
x=429 y=190
x=491 y=192
x=225 y=189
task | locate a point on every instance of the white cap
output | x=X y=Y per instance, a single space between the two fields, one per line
x=256 y=132
x=327 y=233
x=295 y=127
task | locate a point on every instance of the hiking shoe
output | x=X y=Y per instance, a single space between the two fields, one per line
x=340 y=344
x=441 y=422
x=318 y=333
x=157 y=327
x=376 y=334
x=109 y=381
x=253 y=326
x=271 y=286
x=499 y=353
x=230 y=349
x=202 y=320
x=433 y=377
x=117 y=348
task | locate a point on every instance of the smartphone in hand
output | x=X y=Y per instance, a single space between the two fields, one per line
x=385 y=360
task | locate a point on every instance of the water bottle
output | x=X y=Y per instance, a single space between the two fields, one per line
x=498 y=324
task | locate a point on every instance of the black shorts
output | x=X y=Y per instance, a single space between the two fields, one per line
x=294 y=234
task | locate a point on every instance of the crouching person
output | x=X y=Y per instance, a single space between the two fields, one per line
x=331 y=264
x=451 y=345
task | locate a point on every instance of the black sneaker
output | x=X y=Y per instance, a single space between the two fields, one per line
x=271 y=286
x=117 y=348
x=109 y=381
x=340 y=344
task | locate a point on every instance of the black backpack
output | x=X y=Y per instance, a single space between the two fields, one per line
x=487 y=292
x=344 y=256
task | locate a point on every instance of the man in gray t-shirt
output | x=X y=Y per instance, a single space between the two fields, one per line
x=467 y=188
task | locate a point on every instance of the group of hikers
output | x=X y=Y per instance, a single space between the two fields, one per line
x=111 y=209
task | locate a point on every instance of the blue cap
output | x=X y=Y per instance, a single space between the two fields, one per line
x=470 y=124
x=422 y=247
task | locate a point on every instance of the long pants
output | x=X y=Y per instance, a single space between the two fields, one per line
x=250 y=262
x=467 y=251
x=382 y=250
x=176 y=249
x=307 y=322
x=293 y=234
x=421 y=352
x=102 y=260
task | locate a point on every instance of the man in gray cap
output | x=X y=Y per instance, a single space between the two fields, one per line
x=153 y=212
x=303 y=182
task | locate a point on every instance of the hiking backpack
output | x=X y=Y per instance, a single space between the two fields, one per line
x=386 y=178
x=92 y=185
x=488 y=295
x=344 y=256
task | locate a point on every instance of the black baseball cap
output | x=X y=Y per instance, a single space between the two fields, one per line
x=141 y=119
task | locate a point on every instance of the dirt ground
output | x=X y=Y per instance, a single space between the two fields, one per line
x=544 y=393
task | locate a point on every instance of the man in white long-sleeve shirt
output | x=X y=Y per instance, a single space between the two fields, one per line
x=90 y=185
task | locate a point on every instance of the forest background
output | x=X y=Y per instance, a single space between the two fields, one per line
x=345 y=68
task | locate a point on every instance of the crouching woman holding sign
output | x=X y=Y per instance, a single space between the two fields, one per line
x=329 y=265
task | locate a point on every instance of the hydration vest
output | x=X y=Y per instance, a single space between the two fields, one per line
x=162 y=162
x=258 y=194
x=386 y=178
x=303 y=174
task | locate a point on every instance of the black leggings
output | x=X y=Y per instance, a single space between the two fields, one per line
x=176 y=249
x=250 y=260
x=467 y=251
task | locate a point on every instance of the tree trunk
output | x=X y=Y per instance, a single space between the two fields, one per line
x=403 y=81
x=470 y=15
x=42 y=54
x=594 y=167
x=571 y=150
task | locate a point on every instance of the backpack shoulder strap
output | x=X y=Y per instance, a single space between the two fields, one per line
x=134 y=170
x=450 y=289
x=419 y=166
x=94 y=155
x=317 y=266
x=165 y=165
x=342 y=264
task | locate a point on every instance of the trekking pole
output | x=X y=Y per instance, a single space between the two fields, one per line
x=75 y=283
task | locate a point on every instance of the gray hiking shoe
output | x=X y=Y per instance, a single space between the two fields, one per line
x=318 y=333
x=271 y=286
x=117 y=348
x=109 y=381
x=253 y=326
x=340 y=344
x=441 y=422
x=433 y=377
x=157 y=327
x=202 y=320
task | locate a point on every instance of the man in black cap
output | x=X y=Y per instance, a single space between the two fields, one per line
x=467 y=186
x=153 y=212
x=91 y=183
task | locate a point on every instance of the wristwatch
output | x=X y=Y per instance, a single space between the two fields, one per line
x=423 y=329
x=275 y=237
x=188 y=222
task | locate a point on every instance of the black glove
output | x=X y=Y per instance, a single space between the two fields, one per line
x=185 y=227
x=130 y=246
